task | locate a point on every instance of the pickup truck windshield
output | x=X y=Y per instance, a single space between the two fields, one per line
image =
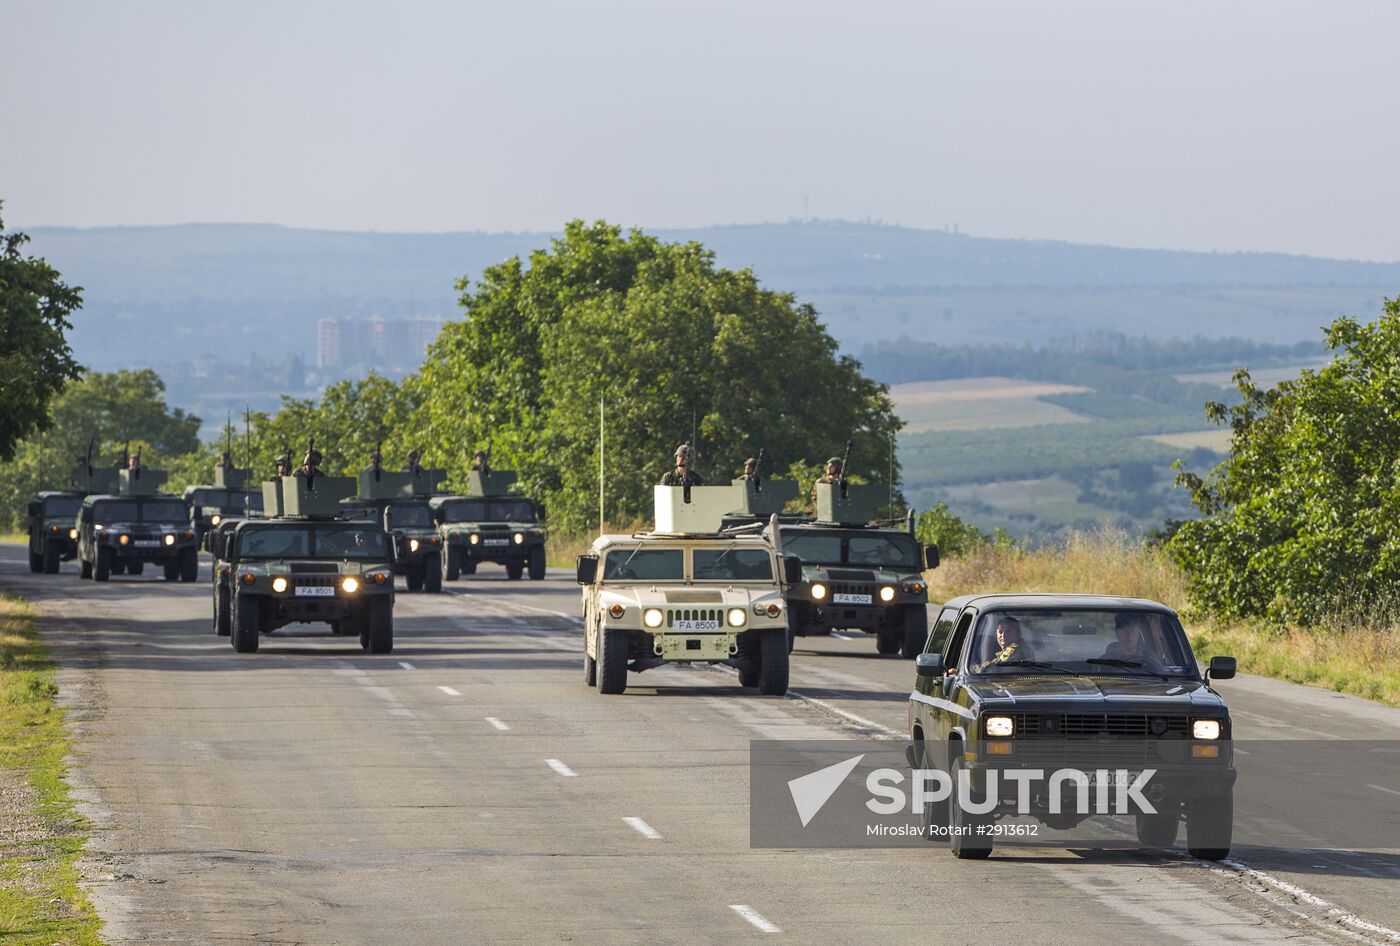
x=1083 y=642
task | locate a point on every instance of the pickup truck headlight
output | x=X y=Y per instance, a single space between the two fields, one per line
x=1001 y=726
x=1205 y=729
x=818 y=591
x=652 y=617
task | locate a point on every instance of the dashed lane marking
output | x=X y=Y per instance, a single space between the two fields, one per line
x=644 y=829
x=449 y=691
x=405 y=664
x=561 y=768
x=755 y=918
x=497 y=723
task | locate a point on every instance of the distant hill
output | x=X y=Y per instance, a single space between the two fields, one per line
x=162 y=294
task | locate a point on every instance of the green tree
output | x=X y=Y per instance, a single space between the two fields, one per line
x=35 y=360
x=670 y=344
x=1298 y=521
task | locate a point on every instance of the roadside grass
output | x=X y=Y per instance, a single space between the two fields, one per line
x=1352 y=656
x=564 y=547
x=41 y=834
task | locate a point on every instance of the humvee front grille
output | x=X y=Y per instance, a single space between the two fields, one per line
x=301 y=568
x=487 y=536
x=854 y=590
x=694 y=614
x=315 y=581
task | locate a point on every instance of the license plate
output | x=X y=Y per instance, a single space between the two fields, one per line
x=1112 y=777
x=496 y=542
x=852 y=599
x=697 y=625
x=315 y=591
x=147 y=543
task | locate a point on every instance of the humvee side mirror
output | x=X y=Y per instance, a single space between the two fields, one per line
x=929 y=665
x=1220 y=668
x=930 y=556
x=540 y=513
x=792 y=570
x=586 y=569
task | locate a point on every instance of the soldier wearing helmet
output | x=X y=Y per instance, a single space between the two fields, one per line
x=284 y=466
x=682 y=475
x=412 y=465
x=832 y=474
x=479 y=462
x=311 y=463
x=750 y=469
x=376 y=463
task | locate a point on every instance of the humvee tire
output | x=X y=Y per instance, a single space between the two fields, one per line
x=514 y=570
x=103 y=569
x=135 y=568
x=1210 y=826
x=468 y=566
x=84 y=568
x=537 y=563
x=379 y=624
x=915 y=631
x=50 y=559
x=590 y=669
x=172 y=571
x=245 y=627
x=1158 y=830
x=414 y=579
x=748 y=677
x=451 y=564
x=36 y=561
x=432 y=573
x=773 y=663
x=222 y=619
x=189 y=564
x=887 y=642
x=963 y=838
x=612 y=660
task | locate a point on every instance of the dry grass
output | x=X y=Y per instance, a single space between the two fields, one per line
x=1355 y=656
x=564 y=547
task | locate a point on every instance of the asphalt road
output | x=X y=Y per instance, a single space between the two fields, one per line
x=469 y=788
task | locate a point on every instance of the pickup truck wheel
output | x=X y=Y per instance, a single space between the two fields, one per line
x=451 y=563
x=537 y=563
x=103 y=569
x=887 y=642
x=963 y=826
x=246 y=626
x=432 y=573
x=773 y=662
x=1210 y=825
x=915 y=631
x=379 y=616
x=222 y=624
x=1158 y=830
x=189 y=565
x=612 y=660
x=933 y=814
x=50 y=558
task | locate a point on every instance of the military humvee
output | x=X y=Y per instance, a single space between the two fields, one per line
x=303 y=564
x=139 y=525
x=399 y=501
x=489 y=524
x=687 y=592
x=857 y=574
x=52 y=516
x=230 y=495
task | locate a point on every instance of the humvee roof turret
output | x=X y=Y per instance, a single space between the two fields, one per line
x=850 y=504
x=139 y=481
x=300 y=495
x=88 y=480
x=490 y=482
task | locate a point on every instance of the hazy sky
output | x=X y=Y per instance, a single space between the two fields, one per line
x=1221 y=124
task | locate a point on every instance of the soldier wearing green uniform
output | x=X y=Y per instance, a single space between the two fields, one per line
x=682 y=475
x=832 y=475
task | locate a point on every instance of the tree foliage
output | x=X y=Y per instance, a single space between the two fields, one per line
x=1299 y=519
x=670 y=344
x=35 y=360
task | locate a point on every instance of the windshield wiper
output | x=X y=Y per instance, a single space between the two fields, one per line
x=1037 y=664
x=1130 y=664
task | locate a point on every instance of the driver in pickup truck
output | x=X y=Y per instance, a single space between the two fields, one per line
x=1012 y=644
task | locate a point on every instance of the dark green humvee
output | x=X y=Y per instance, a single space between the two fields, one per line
x=230 y=495
x=53 y=532
x=399 y=501
x=488 y=524
x=136 y=527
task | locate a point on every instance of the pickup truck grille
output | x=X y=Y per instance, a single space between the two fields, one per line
x=1094 y=724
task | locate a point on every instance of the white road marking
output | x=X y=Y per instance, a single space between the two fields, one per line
x=497 y=723
x=861 y=720
x=449 y=691
x=644 y=829
x=754 y=917
x=404 y=664
x=561 y=768
x=1334 y=913
x=1379 y=788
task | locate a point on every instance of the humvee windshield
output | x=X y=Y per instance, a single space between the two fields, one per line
x=1081 y=641
x=645 y=565
x=61 y=505
x=875 y=549
x=131 y=510
x=732 y=564
x=341 y=540
x=488 y=510
x=410 y=517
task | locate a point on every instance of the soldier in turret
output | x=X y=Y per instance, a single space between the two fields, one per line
x=750 y=469
x=225 y=460
x=376 y=464
x=682 y=475
x=479 y=461
x=311 y=463
x=284 y=466
x=413 y=466
x=832 y=474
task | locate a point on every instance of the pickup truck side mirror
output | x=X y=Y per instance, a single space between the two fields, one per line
x=586 y=569
x=931 y=556
x=1220 y=668
x=792 y=570
x=929 y=665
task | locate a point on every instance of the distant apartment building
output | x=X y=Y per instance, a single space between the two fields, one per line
x=392 y=344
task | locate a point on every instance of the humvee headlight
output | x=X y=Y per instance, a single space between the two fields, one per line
x=123 y=539
x=737 y=617
x=169 y=539
x=279 y=584
x=887 y=593
x=72 y=533
x=413 y=545
x=818 y=591
x=350 y=584
x=1205 y=729
x=519 y=537
x=616 y=611
x=215 y=519
x=1000 y=726
x=474 y=539
x=652 y=617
